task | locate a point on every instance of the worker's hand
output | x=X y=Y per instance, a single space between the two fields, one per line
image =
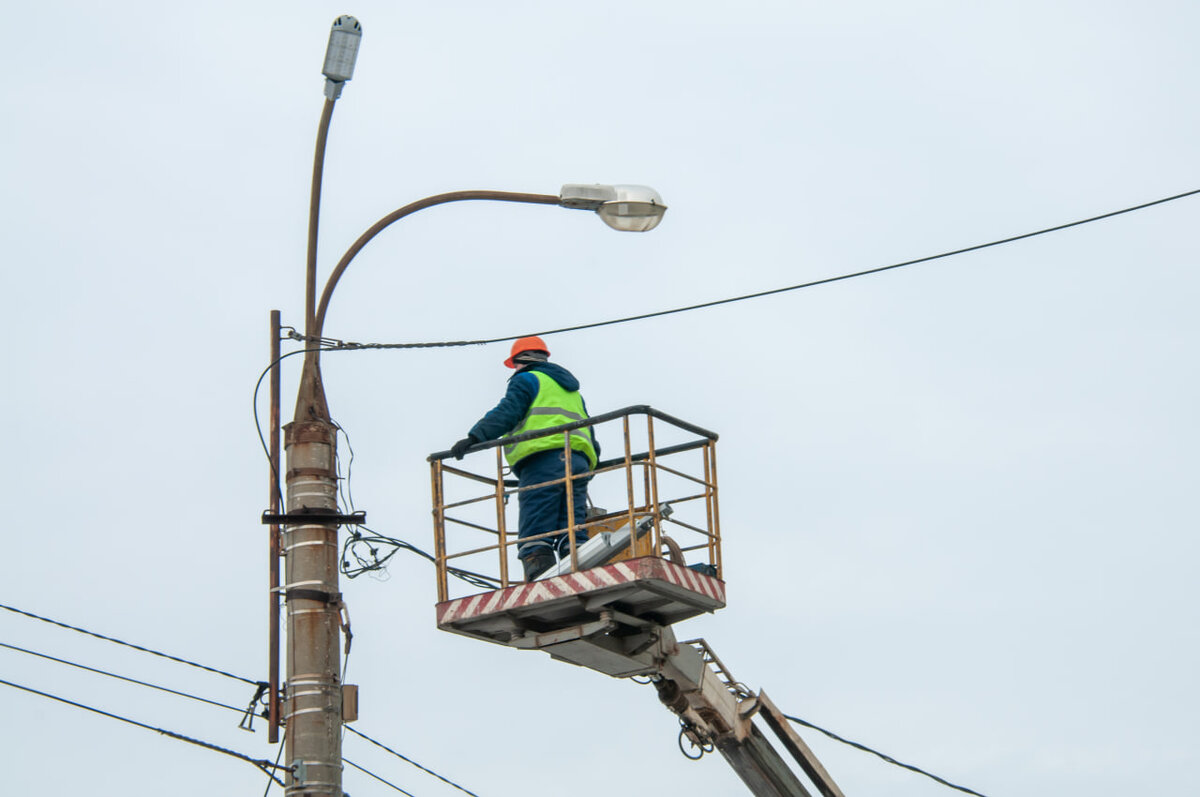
x=459 y=449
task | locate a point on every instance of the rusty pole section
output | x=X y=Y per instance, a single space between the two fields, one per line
x=276 y=542
x=314 y=689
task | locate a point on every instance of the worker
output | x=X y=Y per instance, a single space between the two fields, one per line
x=540 y=395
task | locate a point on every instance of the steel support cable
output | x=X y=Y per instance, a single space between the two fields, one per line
x=403 y=757
x=122 y=677
x=339 y=345
x=372 y=774
x=129 y=644
x=261 y=763
x=886 y=758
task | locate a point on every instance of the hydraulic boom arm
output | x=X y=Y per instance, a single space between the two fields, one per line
x=714 y=710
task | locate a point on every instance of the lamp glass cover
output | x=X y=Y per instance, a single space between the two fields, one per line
x=632 y=216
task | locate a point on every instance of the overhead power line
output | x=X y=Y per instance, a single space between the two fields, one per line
x=372 y=774
x=261 y=763
x=886 y=758
x=128 y=644
x=333 y=344
x=403 y=757
x=357 y=732
x=121 y=677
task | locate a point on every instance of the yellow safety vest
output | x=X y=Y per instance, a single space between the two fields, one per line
x=552 y=406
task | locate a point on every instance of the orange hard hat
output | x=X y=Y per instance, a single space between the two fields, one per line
x=531 y=343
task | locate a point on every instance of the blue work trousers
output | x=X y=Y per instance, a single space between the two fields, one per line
x=545 y=508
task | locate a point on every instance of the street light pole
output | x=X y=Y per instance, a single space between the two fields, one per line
x=313 y=698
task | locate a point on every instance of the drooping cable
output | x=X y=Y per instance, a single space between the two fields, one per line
x=128 y=644
x=345 y=486
x=261 y=763
x=886 y=758
x=258 y=386
x=355 y=540
x=349 y=548
x=403 y=757
x=376 y=563
x=275 y=765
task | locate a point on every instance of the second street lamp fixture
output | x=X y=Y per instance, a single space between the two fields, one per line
x=628 y=208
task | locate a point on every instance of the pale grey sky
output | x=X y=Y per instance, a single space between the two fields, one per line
x=958 y=499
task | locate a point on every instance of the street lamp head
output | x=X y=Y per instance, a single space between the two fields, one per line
x=340 y=54
x=628 y=208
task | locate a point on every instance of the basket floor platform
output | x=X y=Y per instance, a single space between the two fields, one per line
x=647 y=590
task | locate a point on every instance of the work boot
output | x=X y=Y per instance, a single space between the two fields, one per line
x=537 y=563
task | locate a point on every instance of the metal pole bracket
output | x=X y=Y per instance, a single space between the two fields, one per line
x=317 y=517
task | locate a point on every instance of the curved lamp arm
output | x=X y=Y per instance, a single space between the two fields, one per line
x=396 y=215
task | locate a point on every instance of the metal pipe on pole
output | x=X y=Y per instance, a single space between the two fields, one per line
x=276 y=539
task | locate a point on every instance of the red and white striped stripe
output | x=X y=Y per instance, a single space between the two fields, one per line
x=647 y=568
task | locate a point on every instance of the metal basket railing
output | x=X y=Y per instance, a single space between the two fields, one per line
x=474 y=541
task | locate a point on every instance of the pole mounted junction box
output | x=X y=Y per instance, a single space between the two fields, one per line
x=349 y=702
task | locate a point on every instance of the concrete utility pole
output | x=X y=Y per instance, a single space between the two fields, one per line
x=313 y=696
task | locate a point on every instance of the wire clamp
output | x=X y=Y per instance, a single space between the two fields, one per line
x=247 y=723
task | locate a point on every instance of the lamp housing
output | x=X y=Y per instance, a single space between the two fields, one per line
x=628 y=208
x=340 y=54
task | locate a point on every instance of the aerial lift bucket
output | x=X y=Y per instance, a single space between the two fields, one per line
x=630 y=570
